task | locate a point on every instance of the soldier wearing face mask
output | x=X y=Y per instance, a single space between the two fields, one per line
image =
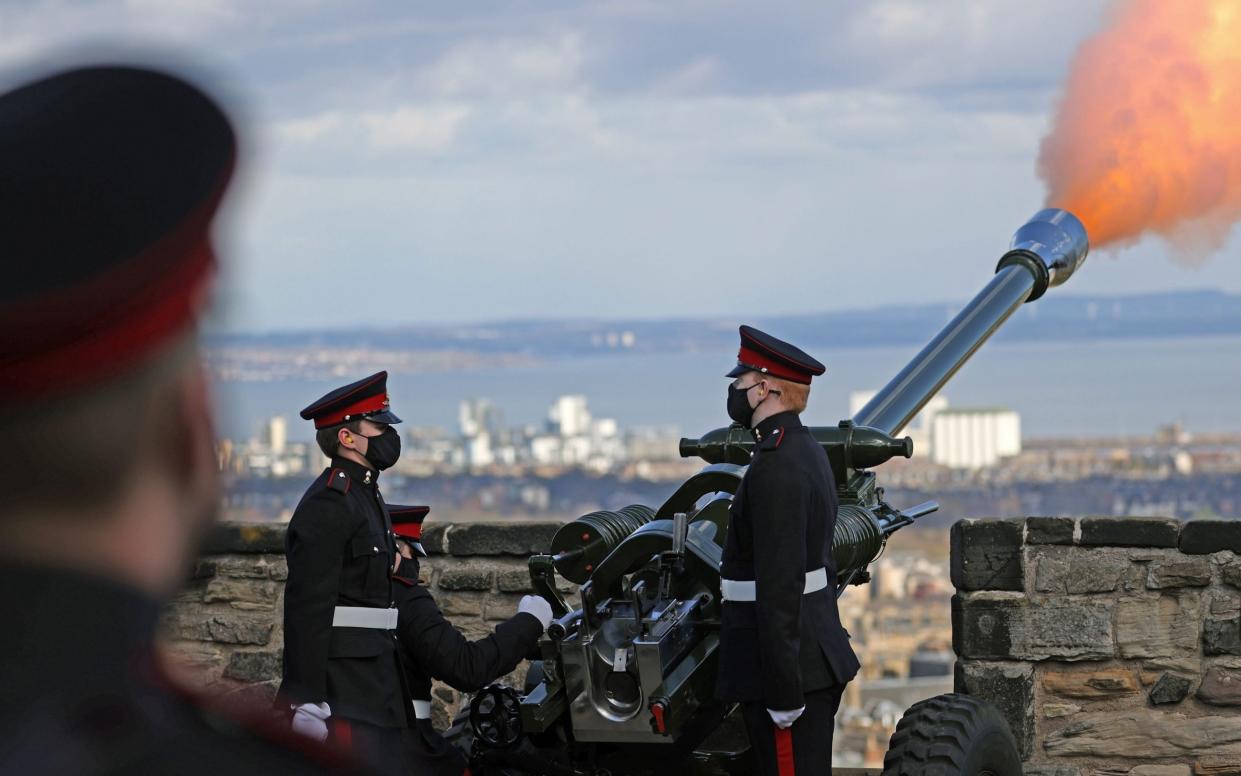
x=342 y=673
x=783 y=652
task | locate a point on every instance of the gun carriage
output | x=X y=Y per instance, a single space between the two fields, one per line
x=626 y=673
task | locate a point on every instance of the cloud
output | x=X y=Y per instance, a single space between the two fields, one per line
x=410 y=128
x=507 y=67
x=310 y=128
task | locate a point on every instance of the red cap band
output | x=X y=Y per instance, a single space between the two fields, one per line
x=408 y=530
x=370 y=404
x=760 y=362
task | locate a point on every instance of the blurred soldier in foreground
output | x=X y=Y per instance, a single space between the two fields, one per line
x=109 y=179
x=783 y=652
x=433 y=648
x=342 y=670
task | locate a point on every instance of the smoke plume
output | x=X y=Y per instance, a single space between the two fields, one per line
x=1148 y=136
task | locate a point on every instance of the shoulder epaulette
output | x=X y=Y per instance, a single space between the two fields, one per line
x=338 y=480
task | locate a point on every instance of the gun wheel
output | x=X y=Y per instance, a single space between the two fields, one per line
x=952 y=735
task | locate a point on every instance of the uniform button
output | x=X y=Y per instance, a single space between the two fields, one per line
x=376 y=549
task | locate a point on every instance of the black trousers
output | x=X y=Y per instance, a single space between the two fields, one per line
x=382 y=749
x=805 y=749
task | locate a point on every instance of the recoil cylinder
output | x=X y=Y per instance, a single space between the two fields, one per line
x=858 y=539
x=579 y=546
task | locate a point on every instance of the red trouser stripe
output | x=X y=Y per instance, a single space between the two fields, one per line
x=343 y=734
x=784 y=751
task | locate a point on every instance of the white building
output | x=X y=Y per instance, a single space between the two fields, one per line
x=478 y=450
x=478 y=416
x=974 y=438
x=568 y=416
x=277 y=435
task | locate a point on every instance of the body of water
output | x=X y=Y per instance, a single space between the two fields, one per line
x=1095 y=388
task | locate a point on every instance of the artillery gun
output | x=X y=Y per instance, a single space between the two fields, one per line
x=626 y=673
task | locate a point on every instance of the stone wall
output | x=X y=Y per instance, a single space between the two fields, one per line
x=224 y=630
x=1112 y=645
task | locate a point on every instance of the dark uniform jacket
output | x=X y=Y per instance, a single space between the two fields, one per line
x=82 y=693
x=781 y=524
x=433 y=648
x=340 y=549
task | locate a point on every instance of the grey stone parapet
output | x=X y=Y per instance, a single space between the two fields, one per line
x=225 y=631
x=1112 y=645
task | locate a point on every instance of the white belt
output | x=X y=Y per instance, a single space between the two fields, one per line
x=746 y=590
x=364 y=617
x=422 y=709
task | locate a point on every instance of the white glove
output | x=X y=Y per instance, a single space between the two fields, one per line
x=785 y=719
x=533 y=604
x=310 y=720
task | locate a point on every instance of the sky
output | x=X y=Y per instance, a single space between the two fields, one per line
x=450 y=162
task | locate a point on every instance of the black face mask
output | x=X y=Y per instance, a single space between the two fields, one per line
x=384 y=449
x=739 y=408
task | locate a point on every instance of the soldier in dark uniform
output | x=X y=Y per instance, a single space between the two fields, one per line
x=342 y=673
x=109 y=180
x=783 y=652
x=433 y=648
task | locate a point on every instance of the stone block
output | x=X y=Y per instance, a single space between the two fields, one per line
x=1166 y=626
x=245 y=538
x=1203 y=537
x=982 y=624
x=1094 y=684
x=1058 y=710
x=1221 y=687
x=1230 y=572
x=1005 y=626
x=1009 y=686
x=226 y=628
x=1218 y=766
x=467 y=578
x=1050 y=530
x=1078 y=571
x=1169 y=689
x=1221 y=637
x=261 y=593
x=1071 y=628
x=434 y=537
x=1187 y=666
x=986 y=555
x=1161 y=770
x=254 y=666
x=1155 y=733
x=500 y=538
x=1224 y=605
x=243 y=566
x=513 y=581
x=1051 y=572
x=1130 y=531
x=1191 y=572
x=1048 y=769
x=279 y=569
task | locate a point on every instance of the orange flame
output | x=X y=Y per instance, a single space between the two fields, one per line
x=1148 y=136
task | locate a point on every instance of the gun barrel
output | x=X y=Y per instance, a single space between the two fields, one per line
x=1045 y=252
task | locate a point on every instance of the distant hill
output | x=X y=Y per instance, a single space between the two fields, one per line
x=1056 y=317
